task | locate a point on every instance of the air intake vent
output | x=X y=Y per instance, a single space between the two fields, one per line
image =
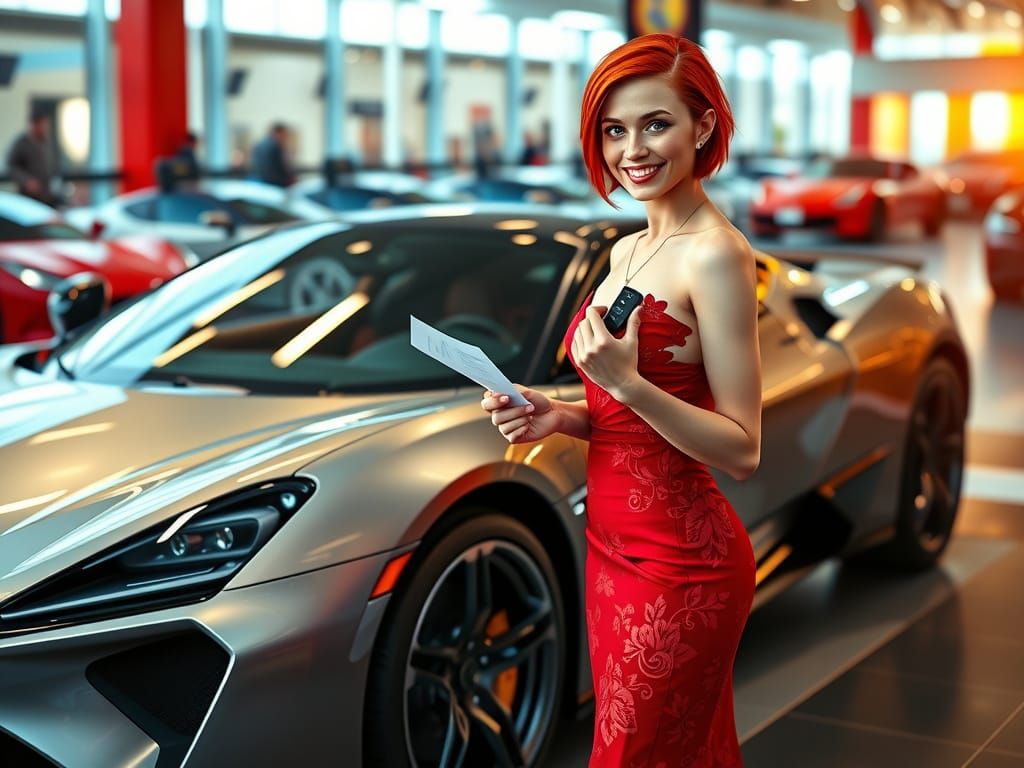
x=816 y=317
x=165 y=687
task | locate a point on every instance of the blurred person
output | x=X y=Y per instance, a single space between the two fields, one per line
x=186 y=167
x=270 y=163
x=669 y=569
x=31 y=161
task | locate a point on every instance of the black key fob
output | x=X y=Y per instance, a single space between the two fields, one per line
x=617 y=316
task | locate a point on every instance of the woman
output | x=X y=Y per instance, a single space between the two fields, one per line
x=670 y=570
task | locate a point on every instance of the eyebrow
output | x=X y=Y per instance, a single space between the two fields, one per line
x=646 y=116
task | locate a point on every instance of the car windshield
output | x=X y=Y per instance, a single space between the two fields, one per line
x=325 y=308
x=253 y=212
x=861 y=168
x=22 y=218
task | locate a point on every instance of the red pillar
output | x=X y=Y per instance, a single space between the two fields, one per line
x=861 y=39
x=151 y=75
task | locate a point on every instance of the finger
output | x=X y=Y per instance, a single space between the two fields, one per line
x=505 y=415
x=595 y=322
x=584 y=332
x=633 y=325
x=493 y=403
x=518 y=434
x=513 y=426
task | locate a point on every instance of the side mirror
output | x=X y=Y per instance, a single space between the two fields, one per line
x=75 y=301
x=219 y=218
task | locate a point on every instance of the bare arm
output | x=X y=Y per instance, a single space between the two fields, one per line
x=725 y=301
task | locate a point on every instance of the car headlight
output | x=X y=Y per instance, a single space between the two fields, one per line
x=186 y=560
x=38 y=279
x=852 y=196
x=1000 y=224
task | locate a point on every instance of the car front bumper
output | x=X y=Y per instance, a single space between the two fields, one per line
x=267 y=674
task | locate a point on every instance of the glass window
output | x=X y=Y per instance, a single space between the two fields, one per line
x=486 y=34
x=856 y=167
x=300 y=311
x=258 y=213
x=183 y=208
x=143 y=209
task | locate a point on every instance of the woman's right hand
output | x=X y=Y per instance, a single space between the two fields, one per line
x=522 y=423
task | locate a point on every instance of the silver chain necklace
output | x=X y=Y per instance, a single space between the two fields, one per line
x=673 y=233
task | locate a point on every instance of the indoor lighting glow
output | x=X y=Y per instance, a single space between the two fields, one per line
x=73 y=128
x=891 y=14
x=360 y=247
x=236 y=298
x=315 y=332
x=524 y=239
x=187 y=344
x=514 y=224
x=585 y=20
x=975 y=10
x=1012 y=19
x=990 y=119
x=62 y=434
x=847 y=5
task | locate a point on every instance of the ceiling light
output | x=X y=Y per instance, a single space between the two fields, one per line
x=1012 y=19
x=891 y=14
x=847 y=5
x=975 y=10
x=580 y=20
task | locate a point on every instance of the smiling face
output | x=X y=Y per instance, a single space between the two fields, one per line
x=649 y=139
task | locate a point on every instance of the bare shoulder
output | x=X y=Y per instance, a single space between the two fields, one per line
x=622 y=246
x=721 y=252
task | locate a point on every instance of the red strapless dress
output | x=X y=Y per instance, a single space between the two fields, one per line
x=669 y=575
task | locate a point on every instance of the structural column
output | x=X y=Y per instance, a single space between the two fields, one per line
x=215 y=78
x=514 y=70
x=97 y=88
x=151 y=74
x=862 y=43
x=561 y=110
x=392 y=122
x=334 y=84
x=435 y=92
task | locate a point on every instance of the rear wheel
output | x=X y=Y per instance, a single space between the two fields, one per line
x=471 y=655
x=932 y=470
x=877 y=223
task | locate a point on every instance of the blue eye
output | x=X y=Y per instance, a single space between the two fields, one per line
x=610 y=130
x=658 y=125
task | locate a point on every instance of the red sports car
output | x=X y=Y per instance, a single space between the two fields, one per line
x=1004 y=246
x=38 y=250
x=856 y=197
x=975 y=179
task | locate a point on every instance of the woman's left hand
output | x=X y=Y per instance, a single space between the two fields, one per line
x=608 y=362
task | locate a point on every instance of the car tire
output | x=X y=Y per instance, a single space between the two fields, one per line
x=933 y=460
x=877 y=223
x=435 y=682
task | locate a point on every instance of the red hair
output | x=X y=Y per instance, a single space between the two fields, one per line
x=695 y=81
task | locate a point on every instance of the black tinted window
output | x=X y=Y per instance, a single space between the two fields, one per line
x=258 y=213
x=183 y=208
x=12 y=231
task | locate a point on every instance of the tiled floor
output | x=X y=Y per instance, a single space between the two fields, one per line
x=856 y=668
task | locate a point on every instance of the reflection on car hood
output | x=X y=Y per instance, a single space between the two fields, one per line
x=87 y=465
x=811 y=190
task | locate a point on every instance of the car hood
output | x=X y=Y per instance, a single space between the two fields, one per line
x=117 y=262
x=88 y=465
x=811 y=191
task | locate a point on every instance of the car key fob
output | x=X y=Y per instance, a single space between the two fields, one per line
x=618 y=313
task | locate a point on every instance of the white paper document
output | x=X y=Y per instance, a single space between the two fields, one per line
x=463 y=358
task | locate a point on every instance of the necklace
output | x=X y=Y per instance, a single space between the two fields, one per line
x=673 y=233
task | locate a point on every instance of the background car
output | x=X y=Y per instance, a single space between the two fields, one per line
x=289 y=535
x=38 y=250
x=858 y=197
x=367 y=189
x=1004 y=246
x=205 y=216
x=973 y=180
x=545 y=185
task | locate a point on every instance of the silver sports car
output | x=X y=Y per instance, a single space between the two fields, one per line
x=243 y=522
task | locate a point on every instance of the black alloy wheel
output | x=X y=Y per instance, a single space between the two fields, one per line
x=932 y=469
x=877 y=224
x=471 y=656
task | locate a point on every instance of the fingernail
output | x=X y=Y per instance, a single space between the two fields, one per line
x=529 y=408
x=503 y=399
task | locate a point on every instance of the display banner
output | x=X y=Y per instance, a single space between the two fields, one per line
x=676 y=17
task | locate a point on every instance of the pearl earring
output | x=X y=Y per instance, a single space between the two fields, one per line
x=700 y=144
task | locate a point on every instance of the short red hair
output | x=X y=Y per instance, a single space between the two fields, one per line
x=696 y=82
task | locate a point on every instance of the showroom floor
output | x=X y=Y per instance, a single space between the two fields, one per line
x=854 y=667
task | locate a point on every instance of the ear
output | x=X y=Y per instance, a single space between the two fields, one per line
x=706 y=126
